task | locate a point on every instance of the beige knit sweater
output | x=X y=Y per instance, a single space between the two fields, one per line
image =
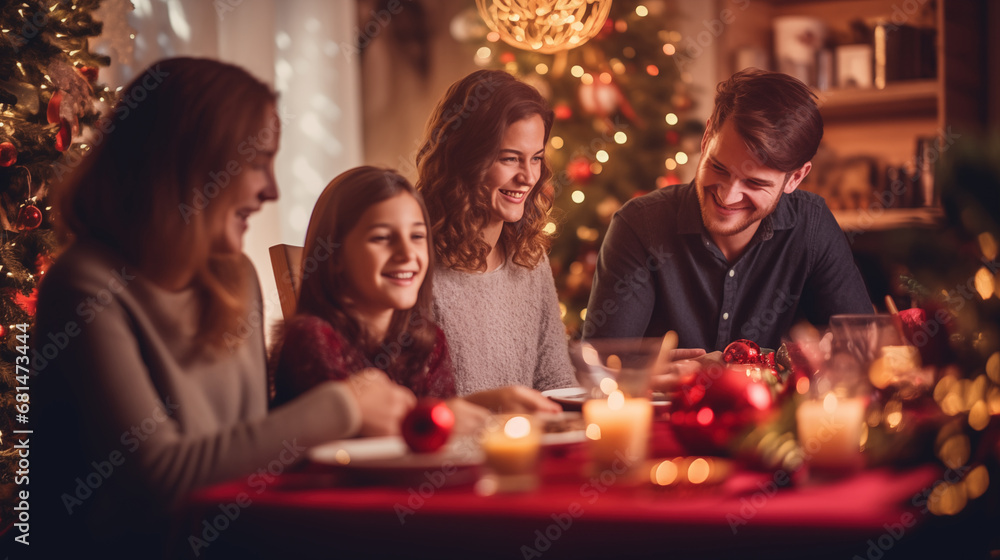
x=503 y=327
x=134 y=389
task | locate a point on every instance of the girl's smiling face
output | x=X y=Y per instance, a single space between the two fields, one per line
x=385 y=258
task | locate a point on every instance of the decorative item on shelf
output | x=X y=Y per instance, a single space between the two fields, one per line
x=428 y=426
x=854 y=66
x=511 y=445
x=545 y=26
x=797 y=43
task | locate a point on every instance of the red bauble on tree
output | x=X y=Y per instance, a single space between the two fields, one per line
x=562 y=111
x=428 y=426
x=8 y=154
x=89 y=72
x=29 y=217
x=579 y=170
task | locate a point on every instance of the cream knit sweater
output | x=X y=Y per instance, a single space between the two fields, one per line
x=503 y=327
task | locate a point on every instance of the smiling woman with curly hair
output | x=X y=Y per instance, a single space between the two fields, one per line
x=484 y=178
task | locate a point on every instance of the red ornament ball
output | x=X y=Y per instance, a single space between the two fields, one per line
x=428 y=426
x=562 y=111
x=3 y=331
x=89 y=72
x=8 y=154
x=718 y=405
x=29 y=217
x=742 y=351
x=579 y=170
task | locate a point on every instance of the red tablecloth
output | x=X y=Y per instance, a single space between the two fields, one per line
x=875 y=514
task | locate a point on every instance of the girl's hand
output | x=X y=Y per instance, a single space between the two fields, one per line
x=469 y=418
x=383 y=403
x=514 y=398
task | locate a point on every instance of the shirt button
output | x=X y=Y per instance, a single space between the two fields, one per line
x=725 y=316
x=732 y=273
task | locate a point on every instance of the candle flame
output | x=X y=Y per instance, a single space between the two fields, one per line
x=616 y=400
x=830 y=403
x=517 y=427
x=593 y=432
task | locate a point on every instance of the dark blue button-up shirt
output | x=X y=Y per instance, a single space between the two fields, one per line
x=659 y=270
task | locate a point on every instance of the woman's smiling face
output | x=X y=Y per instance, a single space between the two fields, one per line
x=517 y=169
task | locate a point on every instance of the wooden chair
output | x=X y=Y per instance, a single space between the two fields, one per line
x=286 y=260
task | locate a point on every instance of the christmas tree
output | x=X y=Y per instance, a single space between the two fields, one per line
x=622 y=126
x=49 y=104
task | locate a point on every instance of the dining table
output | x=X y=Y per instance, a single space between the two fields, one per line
x=310 y=510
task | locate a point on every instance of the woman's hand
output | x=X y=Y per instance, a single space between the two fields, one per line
x=514 y=398
x=469 y=417
x=382 y=401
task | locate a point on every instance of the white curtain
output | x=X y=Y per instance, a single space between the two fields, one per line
x=302 y=47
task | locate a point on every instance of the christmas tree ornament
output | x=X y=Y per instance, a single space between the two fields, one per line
x=579 y=169
x=562 y=111
x=3 y=331
x=598 y=98
x=8 y=154
x=428 y=426
x=29 y=217
x=742 y=351
x=64 y=137
x=54 y=108
x=545 y=26
x=89 y=73
x=717 y=406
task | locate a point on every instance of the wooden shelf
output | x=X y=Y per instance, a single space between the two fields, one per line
x=889 y=218
x=911 y=98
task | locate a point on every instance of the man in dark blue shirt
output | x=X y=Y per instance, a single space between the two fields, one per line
x=738 y=252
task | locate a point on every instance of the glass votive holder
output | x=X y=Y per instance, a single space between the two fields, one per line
x=511 y=445
x=617 y=430
x=831 y=418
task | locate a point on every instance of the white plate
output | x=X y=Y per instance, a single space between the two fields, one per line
x=391 y=452
x=574 y=396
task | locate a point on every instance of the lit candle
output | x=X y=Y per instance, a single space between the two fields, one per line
x=511 y=445
x=618 y=430
x=830 y=431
